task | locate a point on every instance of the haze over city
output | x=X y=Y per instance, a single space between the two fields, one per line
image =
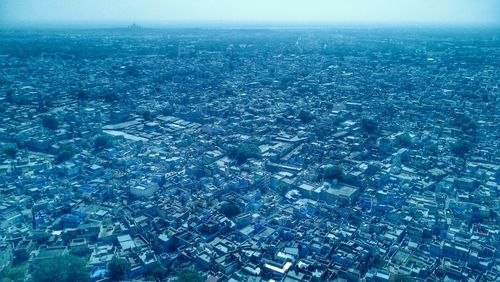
x=196 y=12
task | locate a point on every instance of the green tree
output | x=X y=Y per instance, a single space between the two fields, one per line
x=168 y=110
x=82 y=95
x=401 y=278
x=148 y=115
x=230 y=209
x=61 y=268
x=403 y=140
x=461 y=148
x=50 y=122
x=465 y=123
x=103 y=142
x=306 y=116
x=173 y=244
x=158 y=273
x=333 y=172
x=9 y=96
x=369 y=125
x=64 y=155
x=118 y=268
x=282 y=189
x=432 y=149
x=189 y=275
x=10 y=150
x=244 y=151
x=111 y=97
x=132 y=71
x=14 y=273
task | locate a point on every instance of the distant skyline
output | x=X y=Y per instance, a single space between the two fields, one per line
x=241 y=12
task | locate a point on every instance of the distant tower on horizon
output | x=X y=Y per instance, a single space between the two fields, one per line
x=134 y=26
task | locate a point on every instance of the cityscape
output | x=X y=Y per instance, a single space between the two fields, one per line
x=260 y=154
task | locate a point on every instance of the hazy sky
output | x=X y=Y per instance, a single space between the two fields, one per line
x=256 y=11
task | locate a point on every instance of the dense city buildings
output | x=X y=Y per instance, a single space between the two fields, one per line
x=250 y=155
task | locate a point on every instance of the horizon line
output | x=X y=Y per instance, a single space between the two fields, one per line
x=229 y=24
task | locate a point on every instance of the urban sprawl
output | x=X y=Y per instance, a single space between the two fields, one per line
x=250 y=155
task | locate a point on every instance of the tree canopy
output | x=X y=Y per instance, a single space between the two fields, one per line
x=50 y=122
x=148 y=115
x=244 y=151
x=64 y=154
x=111 y=97
x=13 y=273
x=103 y=142
x=118 y=268
x=82 y=95
x=333 y=172
x=461 y=148
x=158 y=272
x=189 y=275
x=306 y=116
x=465 y=123
x=230 y=209
x=9 y=96
x=432 y=149
x=61 y=268
x=369 y=125
x=403 y=140
x=401 y=278
x=10 y=150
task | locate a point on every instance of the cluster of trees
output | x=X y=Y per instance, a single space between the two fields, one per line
x=432 y=149
x=82 y=95
x=332 y=172
x=173 y=244
x=465 y=123
x=230 y=209
x=244 y=151
x=64 y=154
x=336 y=172
x=189 y=275
x=65 y=268
x=10 y=150
x=13 y=273
x=306 y=116
x=283 y=188
x=50 y=122
x=404 y=140
x=9 y=96
x=402 y=278
x=103 y=142
x=168 y=110
x=72 y=268
x=111 y=97
x=69 y=268
x=118 y=268
x=132 y=71
x=464 y=145
x=369 y=125
x=147 y=114
x=285 y=82
x=461 y=148
x=157 y=273
x=44 y=102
